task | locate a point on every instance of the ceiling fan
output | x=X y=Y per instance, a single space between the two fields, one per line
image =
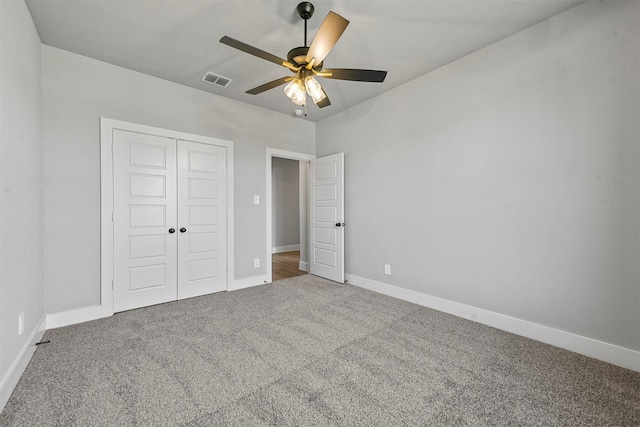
x=306 y=62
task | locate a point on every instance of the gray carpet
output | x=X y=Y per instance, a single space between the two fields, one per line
x=309 y=352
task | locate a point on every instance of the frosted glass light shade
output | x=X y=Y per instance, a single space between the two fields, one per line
x=314 y=89
x=300 y=98
x=295 y=91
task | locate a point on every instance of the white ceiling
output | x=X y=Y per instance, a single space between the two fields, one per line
x=178 y=40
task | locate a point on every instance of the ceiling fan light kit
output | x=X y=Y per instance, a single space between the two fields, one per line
x=307 y=61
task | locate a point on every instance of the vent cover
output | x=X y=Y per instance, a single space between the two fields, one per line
x=216 y=79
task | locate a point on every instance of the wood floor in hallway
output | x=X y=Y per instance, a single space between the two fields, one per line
x=285 y=264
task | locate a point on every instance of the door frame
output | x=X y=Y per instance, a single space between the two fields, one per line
x=107 y=126
x=271 y=153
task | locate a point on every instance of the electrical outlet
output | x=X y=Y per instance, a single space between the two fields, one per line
x=20 y=323
x=387 y=269
x=256 y=200
x=256 y=262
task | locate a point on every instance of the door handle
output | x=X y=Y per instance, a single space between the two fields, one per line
x=339 y=224
x=172 y=230
x=182 y=230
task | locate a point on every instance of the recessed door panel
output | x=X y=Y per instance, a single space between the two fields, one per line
x=147 y=215
x=327 y=214
x=326 y=236
x=203 y=162
x=147 y=246
x=149 y=155
x=325 y=171
x=147 y=276
x=203 y=188
x=203 y=242
x=203 y=269
x=147 y=185
x=202 y=215
x=325 y=193
x=145 y=253
x=325 y=257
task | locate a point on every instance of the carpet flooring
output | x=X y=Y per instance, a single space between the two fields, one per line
x=308 y=352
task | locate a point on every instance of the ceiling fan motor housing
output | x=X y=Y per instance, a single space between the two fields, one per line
x=298 y=56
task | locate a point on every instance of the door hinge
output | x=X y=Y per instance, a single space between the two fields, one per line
x=112 y=285
x=112 y=148
x=111 y=216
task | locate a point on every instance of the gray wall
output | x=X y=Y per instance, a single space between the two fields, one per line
x=509 y=180
x=285 y=202
x=21 y=218
x=77 y=91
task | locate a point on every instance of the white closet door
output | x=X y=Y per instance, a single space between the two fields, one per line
x=327 y=217
x=145 y=236
x=202 y=220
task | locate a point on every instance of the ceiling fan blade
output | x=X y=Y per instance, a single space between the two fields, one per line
x=265 y=87
x=325 y=102
x=353 y=74
x=327 y=36
x=237 y=44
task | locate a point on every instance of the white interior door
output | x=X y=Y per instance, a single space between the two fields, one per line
x=327 y=217
x=145 y=237
x=202 y=219
x=170 y=219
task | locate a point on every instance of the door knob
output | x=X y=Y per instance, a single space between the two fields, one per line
x=172 y=230
x=182 y=230
x=339 y=224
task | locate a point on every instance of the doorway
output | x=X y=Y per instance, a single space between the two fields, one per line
x=287 y=256
x=285 y=218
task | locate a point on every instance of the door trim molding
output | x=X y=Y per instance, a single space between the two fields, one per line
x=271 y=153
x=107 y=126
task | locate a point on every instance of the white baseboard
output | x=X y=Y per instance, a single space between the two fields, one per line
x=86 y=314
x=289 y=248
x=18 y=366
x=611 y=353
x=247 y=282
x=78 y=315
x=304 y=266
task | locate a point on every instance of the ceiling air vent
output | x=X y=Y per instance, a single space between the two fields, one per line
x=216 y=79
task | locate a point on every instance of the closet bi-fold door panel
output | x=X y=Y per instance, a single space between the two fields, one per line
x=145 y=220
x=202 y=219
